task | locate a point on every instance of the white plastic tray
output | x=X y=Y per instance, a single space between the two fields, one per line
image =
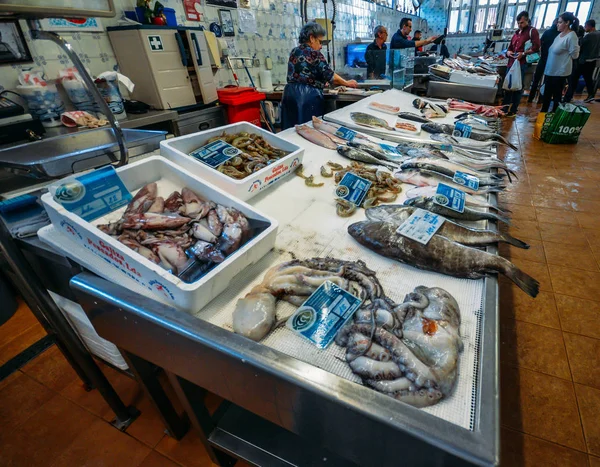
x=177 y=150
x=115 y=262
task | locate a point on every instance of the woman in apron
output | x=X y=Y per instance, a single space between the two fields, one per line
x=308 y=73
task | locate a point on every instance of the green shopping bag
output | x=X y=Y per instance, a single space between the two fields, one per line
x=564 y=126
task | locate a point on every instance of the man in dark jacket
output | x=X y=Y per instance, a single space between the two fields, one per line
x=400 y=39
x=546 y=41
x=375 y=56
x=590 y=52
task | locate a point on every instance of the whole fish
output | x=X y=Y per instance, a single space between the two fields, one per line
x=454 y=164
x=468 y=215
x=362 y=156
x=316 y=137
x=470 y=200
x=397 y=214
x=370 y=149
x=369 y=120
x=440 y=254
x=413 y=117
x=476 y=135
x=422 y=177
x=468 y=143
x=331 y=128
x=449 y=170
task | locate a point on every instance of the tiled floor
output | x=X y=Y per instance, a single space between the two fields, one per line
x=550 y=346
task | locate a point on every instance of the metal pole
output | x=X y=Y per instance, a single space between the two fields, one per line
x=38 y=298
x=37 y=33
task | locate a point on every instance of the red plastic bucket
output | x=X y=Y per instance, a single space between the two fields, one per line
x=241 y=104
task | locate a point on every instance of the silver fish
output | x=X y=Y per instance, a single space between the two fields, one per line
x=397 y=214
x=468 y=215
x=440 y=254
x=423 y=177
x=331 y=128
x=369 y=120
x=475 y=135
x=470 y=200
x=370 y=149
x=315 y=136
x=449 y=170
x=361 y=156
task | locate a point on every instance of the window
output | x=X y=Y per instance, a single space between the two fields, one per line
x=513 y=8
x=545 y=12
x=580 y=9
x=486 y=13
x=405 y=6
x=460 y=12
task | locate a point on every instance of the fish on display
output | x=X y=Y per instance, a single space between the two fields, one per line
x=470 y=200
x=476 y=135
x=371 y=149
x=332 y=128
x=315 y=136
x=440 y=254
x=388 y=109
x=468 y=143
x=468 y=215
x=397 y=214
x=362 y=156
x=438 y=110
x=423 y=177
x=449 y=170
x=371 y=121
x=413 y=117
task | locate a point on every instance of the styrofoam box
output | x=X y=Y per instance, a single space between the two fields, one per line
x=177 y=150
x=122 y=263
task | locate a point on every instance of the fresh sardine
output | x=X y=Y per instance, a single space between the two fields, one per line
x=468 y=215
x=370 y=149
x=362 y=156
x=364 y=119
x=397 y=214
x=315 y=136
x=440 y=254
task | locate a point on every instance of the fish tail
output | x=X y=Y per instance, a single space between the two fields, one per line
x=506 y=238
x=524 y=281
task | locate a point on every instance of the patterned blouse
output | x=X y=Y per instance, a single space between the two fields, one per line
x=308 y=66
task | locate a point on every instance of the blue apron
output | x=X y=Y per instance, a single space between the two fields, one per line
x=300 y=103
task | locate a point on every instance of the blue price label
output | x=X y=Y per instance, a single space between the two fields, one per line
x=216 y=153
x=345 y=133
x=461 y=129
x=421 y=226
x=92 y=195
x=449 y=197
x=324 y=313
x=353 y=188
x=389 y=149
x=446 y=147
x=467 y=180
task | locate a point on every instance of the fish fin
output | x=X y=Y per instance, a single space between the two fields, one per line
x=500 y=218
x=514 y=241
x=524 y=281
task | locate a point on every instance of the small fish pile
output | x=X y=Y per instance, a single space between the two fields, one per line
x=408 y=351
x=179 y=231
x=485 y=110
x=430 y=109
x=476 y=134
x=440 y=254
x=368 y=120
x=256 y=154
x=388 y=109
x=464 y=64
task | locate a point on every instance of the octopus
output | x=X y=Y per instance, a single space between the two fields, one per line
x=408 y=351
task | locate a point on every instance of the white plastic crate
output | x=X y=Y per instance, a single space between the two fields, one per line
x=177 y=150
x=114 y=261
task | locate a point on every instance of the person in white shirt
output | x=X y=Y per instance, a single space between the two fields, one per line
x=559 y=66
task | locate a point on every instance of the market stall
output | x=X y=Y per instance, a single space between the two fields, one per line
x=284 y=378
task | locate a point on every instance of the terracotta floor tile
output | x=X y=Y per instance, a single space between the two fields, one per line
x=13 y=347
x=520 y=212
x=589 y=220
x=535 y=252
x=584 y=359
x=20 y=399
x=523 y=230
x=22 y=320
x=514 y=304
x=556 y=216
x=562 y=234
x=534 y=347
x=543 y=201
x=593 y=238
x=582 y=188
x=575 y=282
x=149 y=427
x=540 y=405
x=592 y=174
x=103 y=442
x=539 y=271
x=51 y=430
x=154 y=459
x=521 y=450
x=188 y=452
x=575 y=256
x=51 y=369
x=519 y=186
x=89 y=400
x=9 y=379
x=127 y=388
x=589 y=408
x=594 y=461
x=579 y=316
x=585 y=205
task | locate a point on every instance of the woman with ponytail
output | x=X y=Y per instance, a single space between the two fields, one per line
x=559 y=66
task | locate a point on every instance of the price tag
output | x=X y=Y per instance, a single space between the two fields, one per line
x=421 y=226
x=449 y=197
x=92 y=195
x=461 y=129
x=216 y=153
x=324 y=313
x=389 y=149
x=353 y=188
x=345 y=133
x=446 y=147
x=467 y=180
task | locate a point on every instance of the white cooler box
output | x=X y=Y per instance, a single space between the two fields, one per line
x=472 y=79
x=114 y=261
x=177 y=150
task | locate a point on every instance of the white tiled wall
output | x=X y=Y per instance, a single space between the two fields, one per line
x=278 y=21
